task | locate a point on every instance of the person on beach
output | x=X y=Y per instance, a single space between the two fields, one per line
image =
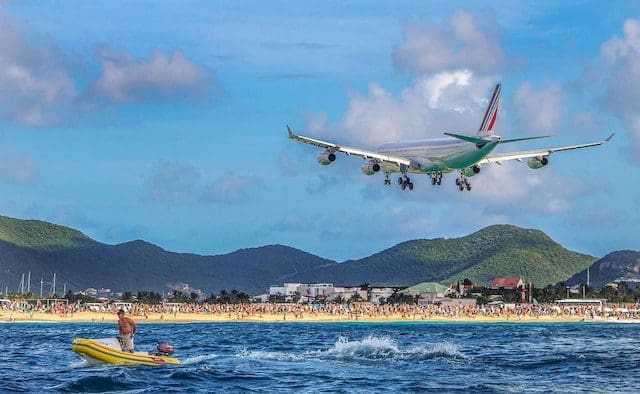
x=127 y=329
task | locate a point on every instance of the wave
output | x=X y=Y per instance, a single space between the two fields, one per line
x=369 y=348
x=198 y=359
x=82 y=363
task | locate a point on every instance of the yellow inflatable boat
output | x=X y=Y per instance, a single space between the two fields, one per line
x=108 y=351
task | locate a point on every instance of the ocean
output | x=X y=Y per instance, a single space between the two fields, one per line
x=334 y=357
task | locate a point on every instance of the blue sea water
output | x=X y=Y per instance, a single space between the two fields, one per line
x=330 y=357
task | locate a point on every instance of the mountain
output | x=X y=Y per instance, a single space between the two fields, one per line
x=498 y=250
x=624 y=264
x=502 y=250
x=43 y=248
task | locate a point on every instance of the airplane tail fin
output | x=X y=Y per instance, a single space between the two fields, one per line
x=491 y=115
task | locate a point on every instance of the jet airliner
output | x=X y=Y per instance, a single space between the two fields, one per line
x=437 y=156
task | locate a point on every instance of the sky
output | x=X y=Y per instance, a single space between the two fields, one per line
x=166 y=120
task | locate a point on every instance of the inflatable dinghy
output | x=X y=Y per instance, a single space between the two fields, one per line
x=108 y=351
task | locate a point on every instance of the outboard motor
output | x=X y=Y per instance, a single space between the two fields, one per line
x=164 y=348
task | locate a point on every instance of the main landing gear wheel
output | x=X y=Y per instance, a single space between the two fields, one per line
x=405 y=182
x=463 y=183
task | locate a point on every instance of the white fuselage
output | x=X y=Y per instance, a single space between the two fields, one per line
x=438 y=154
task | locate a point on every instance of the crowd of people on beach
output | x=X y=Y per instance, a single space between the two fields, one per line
x=346 y=311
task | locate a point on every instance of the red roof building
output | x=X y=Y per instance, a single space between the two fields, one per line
x=506 y=283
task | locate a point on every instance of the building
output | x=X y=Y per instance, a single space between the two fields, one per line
x=347 y=292
x=507 y=283
x=428 y=292
x=380 y=294
x=314 y=291
x=306 y=291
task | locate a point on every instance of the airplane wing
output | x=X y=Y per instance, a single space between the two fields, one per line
x=401 y=161
x=500 y=157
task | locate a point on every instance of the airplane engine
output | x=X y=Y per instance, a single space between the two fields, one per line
x=327 y=157
x=537 y=162
x=370 y=168
x=471 y=171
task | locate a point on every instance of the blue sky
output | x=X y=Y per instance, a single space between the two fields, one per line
x=165 y=121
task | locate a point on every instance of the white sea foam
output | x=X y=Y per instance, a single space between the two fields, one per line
x=266 y=355
x=82 y=363
x=198 y=359
x=369 y=348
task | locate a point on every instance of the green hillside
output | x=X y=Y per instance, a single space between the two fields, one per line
x=502 y=250
x=499 y=250
x=623 y=265
x=37 y=234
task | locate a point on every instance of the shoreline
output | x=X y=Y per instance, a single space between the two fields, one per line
x=189 y=318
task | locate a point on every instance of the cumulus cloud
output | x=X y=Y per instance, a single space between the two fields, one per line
x=231 y=188
x=172 y=182
x=622 y=86
x=539 y=110
x=126 y=79
x=18 y=168
x=454 y=66
x=35 y=86
x=38 y=88
x=461 y=44
x=447 y=101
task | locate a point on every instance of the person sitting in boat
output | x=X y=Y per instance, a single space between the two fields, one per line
x=127 y=329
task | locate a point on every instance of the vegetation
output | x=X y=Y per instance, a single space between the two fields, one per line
x=234 y=297
x=36 y=234
x=624 y=264
x=500 y=250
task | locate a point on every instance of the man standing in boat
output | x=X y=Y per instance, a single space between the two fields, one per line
x=127 y=329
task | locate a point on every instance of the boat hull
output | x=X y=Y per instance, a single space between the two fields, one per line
x=96 y=352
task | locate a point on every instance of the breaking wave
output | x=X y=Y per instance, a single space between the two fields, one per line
x=369 y=348
x=198 y=359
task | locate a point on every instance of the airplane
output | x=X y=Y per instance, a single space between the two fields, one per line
x=437 y=156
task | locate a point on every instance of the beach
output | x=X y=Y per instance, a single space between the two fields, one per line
x=274 y=317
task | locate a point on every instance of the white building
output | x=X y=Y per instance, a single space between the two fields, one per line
x=346 y=292
x=307 y=291
x=378 y=293
x=316 y=290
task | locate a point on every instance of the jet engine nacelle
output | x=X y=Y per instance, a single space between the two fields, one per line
x=370 y=168
x=471 y=171
x=326 y=158
x=537 y=162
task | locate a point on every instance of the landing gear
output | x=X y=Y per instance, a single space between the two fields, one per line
x=387 y=181
x=436 y=178
x=405 y=182
x=463 y=183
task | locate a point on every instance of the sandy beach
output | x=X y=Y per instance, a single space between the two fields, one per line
x=180 y=317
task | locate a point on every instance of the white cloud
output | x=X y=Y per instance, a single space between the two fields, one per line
x=231 y=188
x=622 y=82
x=460 y=44
x=539 y=110
x=18 y=168
x=125 y=78
x=35 y=86
x=447 y=101
x=172 y=182
x=38 y=88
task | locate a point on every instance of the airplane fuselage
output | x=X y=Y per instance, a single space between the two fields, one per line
x=439 y=154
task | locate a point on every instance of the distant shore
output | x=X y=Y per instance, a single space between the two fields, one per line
x=180 y=317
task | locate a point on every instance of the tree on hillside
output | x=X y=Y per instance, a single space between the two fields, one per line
x=127 y=296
